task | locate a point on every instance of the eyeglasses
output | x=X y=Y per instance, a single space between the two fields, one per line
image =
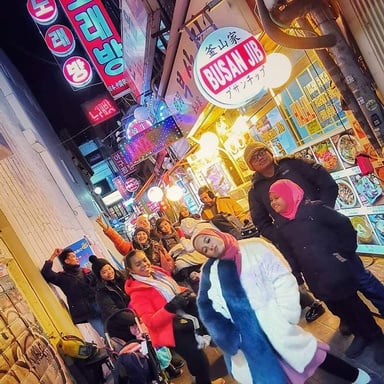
x=257 y=155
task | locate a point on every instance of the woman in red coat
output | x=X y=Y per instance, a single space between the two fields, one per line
x=161 y=304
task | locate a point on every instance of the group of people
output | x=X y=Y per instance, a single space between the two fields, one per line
x=251 y=291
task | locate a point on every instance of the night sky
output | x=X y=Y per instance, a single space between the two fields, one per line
x=25 y=46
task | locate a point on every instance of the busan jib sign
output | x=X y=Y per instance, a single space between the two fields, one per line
x=229 y=68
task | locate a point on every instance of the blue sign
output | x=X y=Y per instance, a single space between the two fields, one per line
x=82 y=250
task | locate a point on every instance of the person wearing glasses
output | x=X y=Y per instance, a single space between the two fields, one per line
x=317 y=184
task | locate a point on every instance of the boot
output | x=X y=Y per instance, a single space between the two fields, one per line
x=378 y=350
x=363 y=378
x=356 y=348
x=314 y=312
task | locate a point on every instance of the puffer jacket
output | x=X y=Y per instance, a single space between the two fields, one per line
x=149 y=304
x=323 y=242
x=111 y=297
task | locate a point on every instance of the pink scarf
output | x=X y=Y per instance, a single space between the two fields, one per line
x=231 y=246
x=291 y=193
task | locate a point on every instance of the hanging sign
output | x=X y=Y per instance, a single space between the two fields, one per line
x=229 y=68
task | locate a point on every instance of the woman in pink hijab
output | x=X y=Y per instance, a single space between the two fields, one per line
x=323 y=243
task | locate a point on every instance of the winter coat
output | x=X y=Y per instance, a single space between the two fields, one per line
x=122 y=245
x=226 y=311
x=111 y=297
x=226 y=205
x=273 y=294
x=79 y=286
x=323 y=242
x=149 y=304
x=316 y=182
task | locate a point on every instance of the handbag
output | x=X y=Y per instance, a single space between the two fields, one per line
x=77 y=348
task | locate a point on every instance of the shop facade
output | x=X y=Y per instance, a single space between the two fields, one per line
x=306 y=117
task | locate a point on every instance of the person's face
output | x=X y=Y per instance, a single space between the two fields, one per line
x=143 y=222
x=141 y=237
x=184 y=211
x=205 y=199
x=72 y=259
x=261 y=160
x=107 y=273
x=209 y=245
x=277 y=203
x=140 y=265
x=165 y=227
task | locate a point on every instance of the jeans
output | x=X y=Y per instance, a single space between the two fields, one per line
x=369 y=285
x=98 y=325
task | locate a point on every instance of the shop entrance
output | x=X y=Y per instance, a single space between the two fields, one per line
x=26 y=353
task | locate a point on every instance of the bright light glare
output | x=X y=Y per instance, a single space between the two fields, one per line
x=278 y=70
x=174 y=193
x=98 y=190
x=155 y=194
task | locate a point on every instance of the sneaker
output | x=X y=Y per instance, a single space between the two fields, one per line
x=314 y=312
x=362 y=378
x=220 y=380
x=344 y=329
x=356 y=348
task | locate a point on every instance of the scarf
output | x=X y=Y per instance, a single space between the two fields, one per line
x=161 y=282
x=231 y=246
x=226 y=311
x=291 y=193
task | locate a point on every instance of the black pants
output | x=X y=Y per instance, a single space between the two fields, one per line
x=339 y=368
x=356 y=315
x=197 y=361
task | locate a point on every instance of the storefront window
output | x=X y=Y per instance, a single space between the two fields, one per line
x=312 y=105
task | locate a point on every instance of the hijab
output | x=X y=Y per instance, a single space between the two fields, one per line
x=231 y=246
x=291 y=193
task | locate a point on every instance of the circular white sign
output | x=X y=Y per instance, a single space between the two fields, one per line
x=229 y=67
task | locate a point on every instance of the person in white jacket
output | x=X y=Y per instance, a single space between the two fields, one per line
x=249 y=302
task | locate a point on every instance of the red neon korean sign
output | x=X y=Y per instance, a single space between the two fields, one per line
x=101 y=41
x=100 y=109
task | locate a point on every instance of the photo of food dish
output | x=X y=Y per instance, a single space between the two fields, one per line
x=369 y=189
x=348 y=147
x=346 y=197
x=363 y=229
x=326 y=156
x=377 y=222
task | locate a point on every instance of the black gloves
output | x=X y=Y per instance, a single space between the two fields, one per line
x=180 y=301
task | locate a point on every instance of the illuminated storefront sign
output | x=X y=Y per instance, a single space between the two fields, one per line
x=100 y=109
x=229 y=67
x=132 y=184
x=182 y=95
x=61 y=42
x=100 y=39
x=122 y=164
x=133 y=30
x=151 y=141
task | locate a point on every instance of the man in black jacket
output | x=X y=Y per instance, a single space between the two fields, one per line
x=317 y=184
x=78 y=285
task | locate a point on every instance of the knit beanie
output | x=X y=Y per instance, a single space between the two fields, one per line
x=140 y=229
x=97 y=264
x=251 y=148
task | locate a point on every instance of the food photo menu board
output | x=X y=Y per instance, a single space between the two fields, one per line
x=361 y=197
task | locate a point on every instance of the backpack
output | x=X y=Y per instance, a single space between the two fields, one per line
x=228 y=223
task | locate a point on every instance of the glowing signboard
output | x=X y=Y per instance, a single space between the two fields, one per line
x=59 y=38
x=101 y=41
x=229 y=67
x=100 y=109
